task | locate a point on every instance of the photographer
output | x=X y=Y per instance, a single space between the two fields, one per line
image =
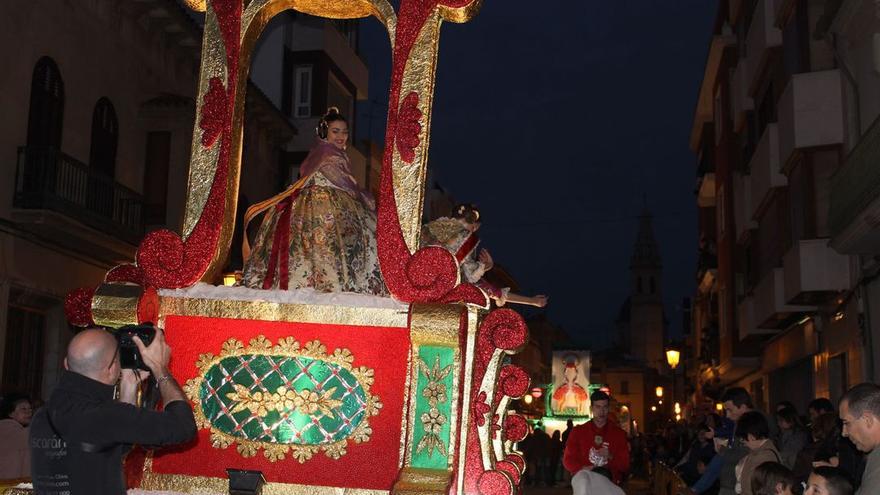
x=79 y=438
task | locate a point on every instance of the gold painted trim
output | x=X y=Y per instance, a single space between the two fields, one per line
x=498 y=440
x=490 y=381
x=203 y=162
x=272 y=311
x=473 y=320
x=453 y=410
x=416 y=481
x=412 y=399
x=115 y=305
x=461 y=14
x=435 y=324
x=203 y=484
x=419 y=76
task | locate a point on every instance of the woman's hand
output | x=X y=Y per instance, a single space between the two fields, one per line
x=486 y=259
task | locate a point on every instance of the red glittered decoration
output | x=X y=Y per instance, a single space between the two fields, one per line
x=166 y=260
x=515 y=428
x=495 y=483
x=409 y=128
x=372 y=464
x=148 y=306
x=502 y=329
x=215 y=110
x=466 y=293
x=480 y=408
x=426 y=276
x=517 y=460
x=126 y=273
x=511 y=469
x=133 y=467
x=78 y=306
x=514 y=381
x=160 y=256
x=431 y=267
x=495 y=427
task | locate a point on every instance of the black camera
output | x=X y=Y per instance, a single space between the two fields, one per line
x=129 y=354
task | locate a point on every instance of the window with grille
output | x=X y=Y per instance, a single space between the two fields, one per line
x=302 y=80
x=23 y=356
x=46 y=111
x=105 y=137
x=156 y=165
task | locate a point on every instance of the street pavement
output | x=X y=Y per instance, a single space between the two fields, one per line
x=634 y=487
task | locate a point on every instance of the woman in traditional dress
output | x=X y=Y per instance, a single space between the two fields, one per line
x=321 y=231
x=459 y=236
x=570 y=397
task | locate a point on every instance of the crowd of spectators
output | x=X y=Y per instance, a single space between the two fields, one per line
x=745 y=451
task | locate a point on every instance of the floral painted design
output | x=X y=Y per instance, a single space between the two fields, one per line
x=433 y=420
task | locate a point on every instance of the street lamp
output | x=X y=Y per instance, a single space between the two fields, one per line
x=672 y=357
x=659 y=391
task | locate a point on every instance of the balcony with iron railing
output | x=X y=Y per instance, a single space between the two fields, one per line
x=855 y=188
x=47 y=179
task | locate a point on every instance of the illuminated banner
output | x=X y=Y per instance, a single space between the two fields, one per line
x=571 y=379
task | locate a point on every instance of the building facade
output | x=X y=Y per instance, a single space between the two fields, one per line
x=774 y=307
x=98 y=101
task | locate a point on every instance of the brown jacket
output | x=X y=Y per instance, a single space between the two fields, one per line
x=765 y=453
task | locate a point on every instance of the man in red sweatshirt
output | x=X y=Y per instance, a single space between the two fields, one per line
x=597 y=443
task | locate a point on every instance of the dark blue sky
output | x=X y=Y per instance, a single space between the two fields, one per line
x=555 y=118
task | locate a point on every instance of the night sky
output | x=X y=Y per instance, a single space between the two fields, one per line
x=556 y=118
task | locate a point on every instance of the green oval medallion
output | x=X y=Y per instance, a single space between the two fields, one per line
x=281 y=399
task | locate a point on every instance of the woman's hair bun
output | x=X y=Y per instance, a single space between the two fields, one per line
x=469 y=212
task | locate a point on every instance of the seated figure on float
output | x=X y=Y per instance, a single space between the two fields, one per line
x=321 y=231
x=458 y=235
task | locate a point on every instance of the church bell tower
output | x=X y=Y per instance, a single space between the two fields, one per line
x=647 y=321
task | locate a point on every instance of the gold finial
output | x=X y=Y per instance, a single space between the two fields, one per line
x=197 y=5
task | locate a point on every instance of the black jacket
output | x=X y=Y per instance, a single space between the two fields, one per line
x=95 y=432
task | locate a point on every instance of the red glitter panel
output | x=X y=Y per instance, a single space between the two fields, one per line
x=168 y=261
x=514 y=381
x=517 y=460
x=148 y=306
x=214 y=112
x=515 y=428
x=495 y=483
x=370 y=465
x=409 y=127
x=78 y=306
x=511 y=469
x=126 y=273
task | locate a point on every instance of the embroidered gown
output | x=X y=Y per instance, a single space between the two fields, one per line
x=319 y=233
x=453 y=234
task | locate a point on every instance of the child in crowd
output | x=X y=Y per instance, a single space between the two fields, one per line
x=826 y=480
x=773 y=478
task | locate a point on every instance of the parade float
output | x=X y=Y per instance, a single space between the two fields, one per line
x=323 y=393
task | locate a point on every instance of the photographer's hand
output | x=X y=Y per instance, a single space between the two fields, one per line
x=156 y=356
x=129 y=381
